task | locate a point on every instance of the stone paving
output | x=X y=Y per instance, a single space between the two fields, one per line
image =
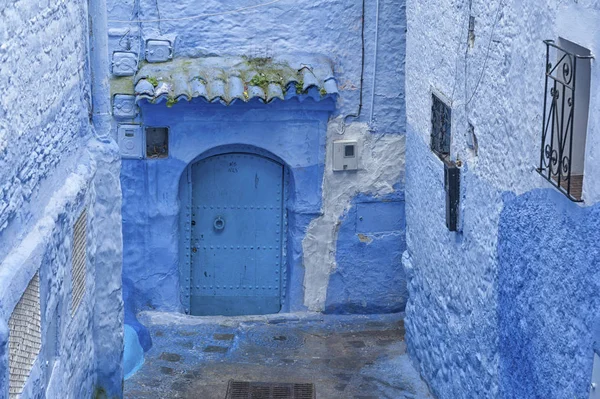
x=354 y=357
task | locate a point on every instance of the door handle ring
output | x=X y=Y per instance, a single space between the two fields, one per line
x=219 y=223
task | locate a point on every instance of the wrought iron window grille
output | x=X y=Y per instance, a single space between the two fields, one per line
x=441 y=125
x=559 y=119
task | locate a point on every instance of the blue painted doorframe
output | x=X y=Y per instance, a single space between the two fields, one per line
x=237 y=233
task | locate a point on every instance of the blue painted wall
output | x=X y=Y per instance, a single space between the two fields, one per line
x=153 y=238
x=451 y=314
x=130 y=318
x=52 y=166
x=505 y=293
x=369 y=277
x=331 y=28
x=549 y=295
x=513 y=317
x=294 y=132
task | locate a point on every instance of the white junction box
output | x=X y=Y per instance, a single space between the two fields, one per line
x=131 y=141
x=345 y=155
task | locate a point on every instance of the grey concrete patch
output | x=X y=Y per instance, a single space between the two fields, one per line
x=224 y=337
x=356 y=344
x=216 y=349
x=170 y=357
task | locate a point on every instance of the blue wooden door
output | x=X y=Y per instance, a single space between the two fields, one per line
x=237 y=227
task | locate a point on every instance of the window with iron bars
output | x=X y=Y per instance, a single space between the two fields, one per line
x=441 y=118
x=565 y=118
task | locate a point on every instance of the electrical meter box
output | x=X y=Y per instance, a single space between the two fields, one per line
x=131 y=141
x=345 y=155
x=124 y=63
x=159 y=50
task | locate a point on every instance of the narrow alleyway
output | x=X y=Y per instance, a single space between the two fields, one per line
x=354 y=357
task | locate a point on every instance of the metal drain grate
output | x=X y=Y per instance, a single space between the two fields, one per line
x=267 y=390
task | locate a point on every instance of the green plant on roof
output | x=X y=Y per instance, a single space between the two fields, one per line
x=153 y=81
x=323 y=92
x=299 y=87
x=258 y=61
x=260 y=80
x=199 y=79
x=171 y=101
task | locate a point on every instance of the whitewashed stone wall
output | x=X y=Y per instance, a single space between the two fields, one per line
x=495 y=84
x=49 y=160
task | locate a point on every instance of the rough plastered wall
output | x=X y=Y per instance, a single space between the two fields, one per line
x=51 y=168
x=382 y=170
x=291 y=132
x=454 y=317
x=331 y=28
x=370 y=243
x=286 y=27
x=549 y=295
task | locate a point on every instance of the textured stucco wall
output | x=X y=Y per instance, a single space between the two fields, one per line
x=381 y=173
x=51 y=167
x=293 y=132
x=331 y=28
x=40 y=111
x=369 y=276
x=548 y=296
x=82 y=343
x=451 y=312
x=453 y=323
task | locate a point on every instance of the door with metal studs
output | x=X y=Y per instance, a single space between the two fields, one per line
x=237 y=231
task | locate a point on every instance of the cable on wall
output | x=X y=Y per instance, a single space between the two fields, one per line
x=362 y=75
x=458 y=53
x=235 y=11
x=487 y=55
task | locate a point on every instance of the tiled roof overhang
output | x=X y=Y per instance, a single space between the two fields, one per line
x=228 y=79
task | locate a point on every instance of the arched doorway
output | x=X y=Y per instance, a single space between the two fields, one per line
x=237 y=230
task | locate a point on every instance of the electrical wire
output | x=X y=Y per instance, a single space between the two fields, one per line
x=458 y=52
x=235 y=11
x=362 y=74
x=487 y=55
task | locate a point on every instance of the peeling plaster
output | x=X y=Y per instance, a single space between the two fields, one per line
x=365 y=239
x=381 y=163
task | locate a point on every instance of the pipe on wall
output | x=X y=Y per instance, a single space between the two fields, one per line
x=375 y=54
x=99 y=71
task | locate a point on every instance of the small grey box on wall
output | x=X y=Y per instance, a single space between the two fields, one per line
x=159 y=50
x=345 y=155
x=124 y=63
x=124 y=106
x=131 y=141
